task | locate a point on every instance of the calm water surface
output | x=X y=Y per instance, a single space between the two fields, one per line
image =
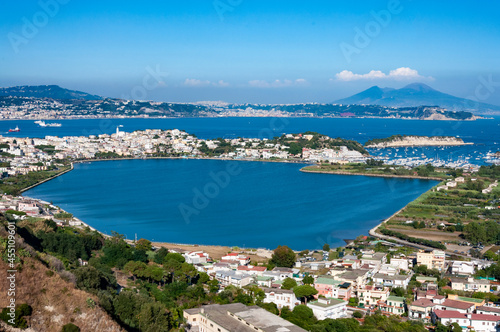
x=259 y=205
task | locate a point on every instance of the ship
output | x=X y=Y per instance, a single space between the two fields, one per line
x=15 y=130
x=44 y=124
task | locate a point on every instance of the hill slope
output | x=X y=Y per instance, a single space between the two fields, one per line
x=47 y=91
x=417 y=94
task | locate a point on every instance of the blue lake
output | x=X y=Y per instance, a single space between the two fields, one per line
x=246 y=204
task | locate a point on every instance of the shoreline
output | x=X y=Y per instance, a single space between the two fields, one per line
x=371 y=232
x=46 y=180
x=375 y=175
x=250 y=116
x=414 y=145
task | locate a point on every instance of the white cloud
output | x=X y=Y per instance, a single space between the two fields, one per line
x=403 y=73
x=278 y=83
x=192 y=82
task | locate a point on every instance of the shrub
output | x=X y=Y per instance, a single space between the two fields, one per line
x=357 y=314
x=70 y=328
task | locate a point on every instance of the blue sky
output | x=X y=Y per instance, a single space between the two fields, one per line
x=250 y=51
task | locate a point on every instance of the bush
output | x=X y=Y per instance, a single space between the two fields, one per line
x=70 y=328
x=357 y=314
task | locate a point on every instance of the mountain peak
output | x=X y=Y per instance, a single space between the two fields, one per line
x=419 y=87
x=412 y=95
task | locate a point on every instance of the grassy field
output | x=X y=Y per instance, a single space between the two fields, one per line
x=384 y=171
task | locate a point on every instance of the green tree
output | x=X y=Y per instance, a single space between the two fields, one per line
x=308 y=280
x=143 y=244
x=288 y=283
x=326 y=247
x=303 y=316
x=160 y=255
x=305 y=292
x=475 y=232
x=283 y=256
x=90 y=279
x=154 y=317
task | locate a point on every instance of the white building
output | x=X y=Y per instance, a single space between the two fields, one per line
x=281 y=297
x=460 y=267
x=325 y=308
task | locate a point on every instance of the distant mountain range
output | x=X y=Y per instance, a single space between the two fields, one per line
x=47 y=91
x=417 y=94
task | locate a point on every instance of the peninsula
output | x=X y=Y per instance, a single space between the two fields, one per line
x=402 y=141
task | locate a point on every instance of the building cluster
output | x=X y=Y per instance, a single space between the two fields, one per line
x=22 y=155
x=368 y=278
x=31 y=108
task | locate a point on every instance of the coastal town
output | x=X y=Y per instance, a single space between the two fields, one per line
x=48 y=102
x=23 y=155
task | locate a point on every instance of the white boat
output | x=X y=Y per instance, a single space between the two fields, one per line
x=44 y=124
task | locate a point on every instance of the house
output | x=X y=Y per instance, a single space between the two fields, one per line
x=462 y=307
x=468 y=322
x=400 y=263
x=281 y=297
x=470 y=284
x=448 y=317
x=235 y=257
x=394 y=305
x=283 y=272
x=235 y=317
x=196 y=257
x=371 y=295
x=354 y=277
x=327 y=286
x=253 y=270
x=392 y=280
x=434 y=259
x=324 y=308
x=226 y=278
x=460 y=267
x=421 y=309
x=264 y=281
x=488 y=310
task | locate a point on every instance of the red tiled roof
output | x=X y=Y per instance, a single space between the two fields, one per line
x=457 y=304
x=489 y=309
x=424 y=302
x=253 y=268
x=449 y=314
x=491 y=318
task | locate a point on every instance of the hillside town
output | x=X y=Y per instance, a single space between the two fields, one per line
x=23 y=155
x=367 y=281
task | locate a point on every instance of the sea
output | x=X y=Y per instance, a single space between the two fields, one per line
x=245 y=204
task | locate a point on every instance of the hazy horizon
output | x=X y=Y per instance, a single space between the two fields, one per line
x=251 y=52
